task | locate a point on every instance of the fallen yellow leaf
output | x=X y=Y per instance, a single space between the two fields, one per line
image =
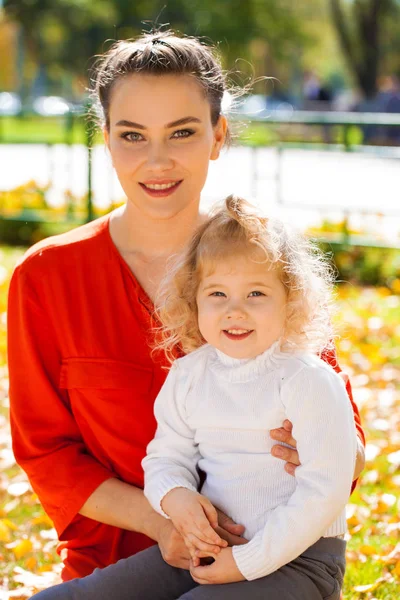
x=45 y=568
x=43 y=520
x=31 y=563
x=367 y=550
x=10 y=524
x=4 y=531
x=22 y=549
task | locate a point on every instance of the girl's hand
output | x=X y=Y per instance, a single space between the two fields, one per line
x=222 y=570
x=290 y=455
x=195 y=518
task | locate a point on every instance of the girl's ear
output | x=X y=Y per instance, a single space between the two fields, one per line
x=220 y=130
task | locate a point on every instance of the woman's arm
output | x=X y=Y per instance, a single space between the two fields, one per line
x=122 y=505
x=47 y=442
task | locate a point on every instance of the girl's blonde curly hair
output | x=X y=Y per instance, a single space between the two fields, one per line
x=235 y=229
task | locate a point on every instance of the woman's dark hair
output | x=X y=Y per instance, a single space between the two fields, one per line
x=159 y=53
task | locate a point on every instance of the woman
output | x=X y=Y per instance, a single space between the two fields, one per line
x=82 y=376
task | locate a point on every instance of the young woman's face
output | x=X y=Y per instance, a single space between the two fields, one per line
x=241 y=307
x=161 y=140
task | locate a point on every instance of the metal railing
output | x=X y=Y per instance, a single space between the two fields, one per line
x=73 y=124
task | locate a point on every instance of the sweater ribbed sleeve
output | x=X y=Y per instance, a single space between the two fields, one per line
x=316 y=402
x=172 y=455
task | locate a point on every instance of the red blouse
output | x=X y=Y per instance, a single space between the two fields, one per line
x=82 y=385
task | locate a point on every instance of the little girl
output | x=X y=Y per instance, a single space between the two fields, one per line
x=248 y=302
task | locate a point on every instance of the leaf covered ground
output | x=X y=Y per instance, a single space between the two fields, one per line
x=369 y=350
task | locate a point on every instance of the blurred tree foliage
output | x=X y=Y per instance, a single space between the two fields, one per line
x=62 y=35
x=364 y=29
x=274 y=38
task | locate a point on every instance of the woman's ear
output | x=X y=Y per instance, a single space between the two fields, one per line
x=220 y=130
x=106 y=137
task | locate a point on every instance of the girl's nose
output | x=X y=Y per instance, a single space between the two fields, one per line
x=236 y=311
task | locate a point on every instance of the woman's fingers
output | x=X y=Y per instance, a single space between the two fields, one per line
x=290 y=455
x=231 y=538
x=284 y=435
x=228 y=524
x=288 y=425
x=290 y=468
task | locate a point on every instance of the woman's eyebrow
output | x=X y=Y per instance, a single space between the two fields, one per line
x=183 y=121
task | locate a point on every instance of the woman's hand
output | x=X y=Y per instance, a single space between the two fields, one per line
x=195 y=518
x=229 y=530
x=172 y=546
x=284 y=434
x=222 y=570
x=290 y=455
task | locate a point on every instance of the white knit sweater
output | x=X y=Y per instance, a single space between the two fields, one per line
x=215 y=412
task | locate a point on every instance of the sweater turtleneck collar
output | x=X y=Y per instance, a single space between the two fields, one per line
x=246 y=369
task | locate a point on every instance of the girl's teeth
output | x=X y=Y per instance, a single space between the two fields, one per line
x=159 y=186
x=238 y=331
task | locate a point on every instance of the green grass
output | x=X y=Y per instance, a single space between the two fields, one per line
x=32 y=129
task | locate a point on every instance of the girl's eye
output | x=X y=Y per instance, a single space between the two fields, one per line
x=218 y=294
x=183 y=133
x=132 y=136
x=256 y=294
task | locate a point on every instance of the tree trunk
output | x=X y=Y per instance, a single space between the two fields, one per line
x=362 y=48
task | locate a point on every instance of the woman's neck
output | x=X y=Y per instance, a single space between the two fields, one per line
x=137 y=234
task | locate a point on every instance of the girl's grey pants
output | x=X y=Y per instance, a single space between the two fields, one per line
x=317 y=574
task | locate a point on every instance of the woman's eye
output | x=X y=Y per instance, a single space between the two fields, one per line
x=183 y=133
x=255 y=294
x=132 y=136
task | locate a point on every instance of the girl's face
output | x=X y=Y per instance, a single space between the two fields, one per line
x=161 y=140
x=241 y=307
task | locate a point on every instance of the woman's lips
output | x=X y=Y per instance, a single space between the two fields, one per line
x=237 y=336
x=163 y=192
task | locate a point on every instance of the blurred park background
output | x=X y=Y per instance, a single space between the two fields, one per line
x=318 y=144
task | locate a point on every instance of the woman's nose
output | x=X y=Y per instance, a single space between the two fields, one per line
x=158 y=158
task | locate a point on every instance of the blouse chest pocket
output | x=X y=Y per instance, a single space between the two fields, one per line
x=110 y=396
x=103 y=373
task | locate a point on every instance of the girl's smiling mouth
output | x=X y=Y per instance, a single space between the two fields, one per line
x=237 y=334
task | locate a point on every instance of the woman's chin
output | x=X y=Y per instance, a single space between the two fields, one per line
x=164 y=209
